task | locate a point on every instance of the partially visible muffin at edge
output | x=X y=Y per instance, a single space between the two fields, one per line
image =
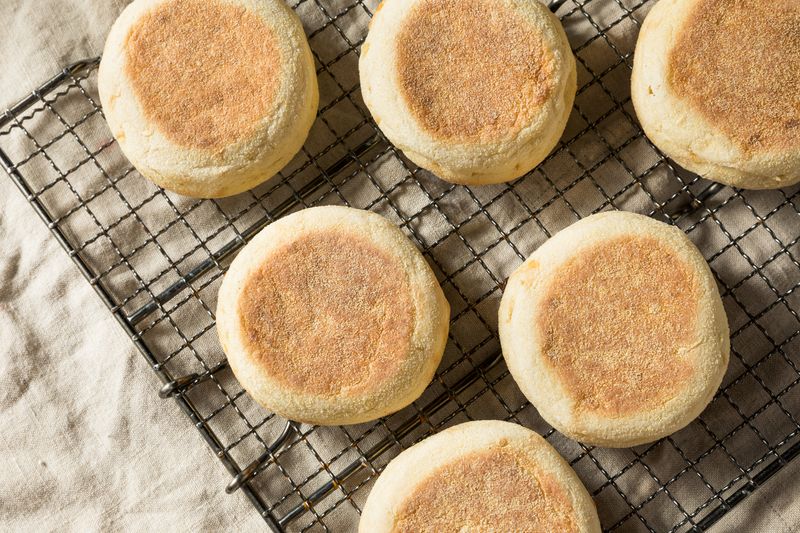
x=716 y=86
x=208 y=98
x=476 y=91
x=485 y=475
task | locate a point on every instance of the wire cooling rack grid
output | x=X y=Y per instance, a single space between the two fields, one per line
x=156 y=260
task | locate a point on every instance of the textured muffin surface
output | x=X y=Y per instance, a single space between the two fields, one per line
x=328 y=314
x=615 y=321
x=495 y=489
x=614 y=329
x=331 y=316
x=205 y=72
x=208 y=98
x=484 y=475
x=716 y=87
x=739 y=66
x=476 y=91
x=470 y=91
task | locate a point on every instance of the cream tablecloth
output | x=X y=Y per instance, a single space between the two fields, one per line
x=86 y=443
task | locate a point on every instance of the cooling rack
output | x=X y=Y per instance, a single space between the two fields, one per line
x=157 y=259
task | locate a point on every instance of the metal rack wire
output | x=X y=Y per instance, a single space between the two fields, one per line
x=156 y=260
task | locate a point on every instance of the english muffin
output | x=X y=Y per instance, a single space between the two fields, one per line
x=716 y=86
x=477 y=91
x=479 y=476
x=615 y=331
x=208 y=98
x=331 y=316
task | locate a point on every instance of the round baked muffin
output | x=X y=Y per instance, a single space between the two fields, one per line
x=479 y=476
x=716 y=86
x=331 y=316
x=477 y=91
x=615 y=331
x=208 y=98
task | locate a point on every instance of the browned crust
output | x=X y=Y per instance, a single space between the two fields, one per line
x=472 y=70
x=613 y=322
x=328 y=314
x=204 y=72
x=738 y=64
x=499 y=489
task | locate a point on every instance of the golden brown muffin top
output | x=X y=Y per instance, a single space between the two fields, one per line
x=738 y=63
x=205 y=72
x=498 y=489
x=614 y=321
x=328 y=314
x=472 y=70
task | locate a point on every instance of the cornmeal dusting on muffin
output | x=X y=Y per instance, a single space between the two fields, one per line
x=472 y=70
x=738 y=63
x=614 y=321
x=498 y=489
x=205 y=72
x=328 y=314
